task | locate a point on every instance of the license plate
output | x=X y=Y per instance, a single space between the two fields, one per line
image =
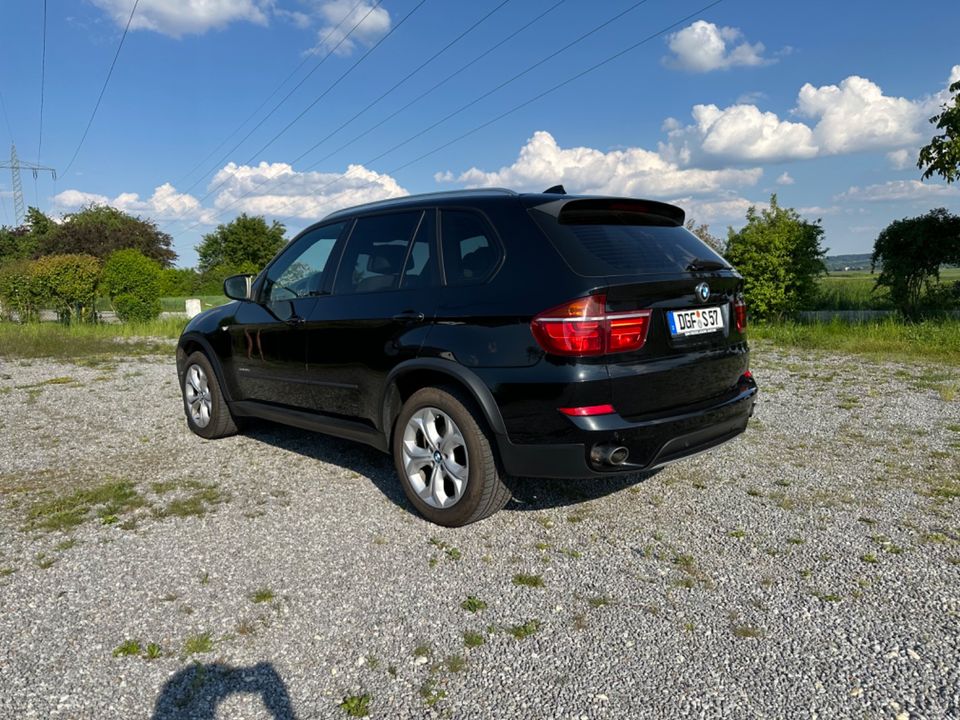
x=695 y=322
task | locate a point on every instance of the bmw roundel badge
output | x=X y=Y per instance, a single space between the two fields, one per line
x=703 y=292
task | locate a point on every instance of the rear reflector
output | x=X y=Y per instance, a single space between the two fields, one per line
x=588 y=410
x=583 y=327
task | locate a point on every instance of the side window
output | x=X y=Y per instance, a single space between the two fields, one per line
x=421 y=269
x=470 y=252
x=299 y=271
x=375 y=253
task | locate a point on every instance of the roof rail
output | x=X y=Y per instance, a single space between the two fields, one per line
x=422 y=196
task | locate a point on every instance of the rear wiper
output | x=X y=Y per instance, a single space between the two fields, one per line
x=699 y=264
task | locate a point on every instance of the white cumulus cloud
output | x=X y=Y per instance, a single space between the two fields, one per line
x=901 y=190
x=634 y=171
x=277 y=190
x=186 y=17
x=739 y=133
x=340 y=17
x=703 y=46
x=165 y=204
x=855 y=115
x=785 y=179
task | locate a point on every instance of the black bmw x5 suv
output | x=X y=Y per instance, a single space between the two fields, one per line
x=476 y=335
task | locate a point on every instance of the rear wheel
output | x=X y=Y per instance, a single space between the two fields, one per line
x=445 y=460
x=207 y=413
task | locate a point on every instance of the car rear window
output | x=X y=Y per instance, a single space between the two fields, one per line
x=601 y=242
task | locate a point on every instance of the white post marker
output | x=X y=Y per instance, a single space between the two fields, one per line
x=193 y=307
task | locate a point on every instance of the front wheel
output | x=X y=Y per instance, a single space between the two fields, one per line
x=445 y=460
x=207 y=413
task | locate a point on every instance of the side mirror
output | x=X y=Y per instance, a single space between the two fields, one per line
x=237 y=287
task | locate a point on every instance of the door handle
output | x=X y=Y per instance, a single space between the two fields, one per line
x=409 y=316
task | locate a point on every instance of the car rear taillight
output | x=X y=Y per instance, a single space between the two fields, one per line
x=588 y=410
x=583 y=327
x=740 y=313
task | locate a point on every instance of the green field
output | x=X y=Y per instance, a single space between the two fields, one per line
x=854 y=291
x=176 y=304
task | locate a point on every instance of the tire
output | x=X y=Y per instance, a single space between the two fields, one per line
x=207 y=412
x=453 y=415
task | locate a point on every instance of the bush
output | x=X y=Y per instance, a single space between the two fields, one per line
x=179 y=282
x=132 y=282
x=19 y=291
x=68 y=284
x=780 y=257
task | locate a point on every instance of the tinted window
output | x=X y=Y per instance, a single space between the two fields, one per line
x=299 y=271
x=609 y=243
x=421 y=269
x=470 y=253
x=375 y=253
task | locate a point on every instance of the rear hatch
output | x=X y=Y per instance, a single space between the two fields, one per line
x=637 y=257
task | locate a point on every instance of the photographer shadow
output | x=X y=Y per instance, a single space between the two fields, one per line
x=197 y=691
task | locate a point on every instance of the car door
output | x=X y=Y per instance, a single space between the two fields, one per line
x=378 y=314
x=267 y=336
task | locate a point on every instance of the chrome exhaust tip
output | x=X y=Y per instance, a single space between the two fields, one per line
x=609 y=454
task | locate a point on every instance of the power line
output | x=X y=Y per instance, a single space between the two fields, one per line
x=506 y=113
x=276 y=107
x=462 y=108
x=323 y=94
x=104 y=88
x=430 y=90
x=6 y=118
x=303 y=62
x=43 y=73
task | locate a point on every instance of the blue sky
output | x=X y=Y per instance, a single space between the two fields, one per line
x=825 y=104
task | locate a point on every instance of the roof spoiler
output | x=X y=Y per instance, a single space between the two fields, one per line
x=664 y=212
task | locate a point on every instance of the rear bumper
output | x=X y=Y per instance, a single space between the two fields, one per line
x=652 y=443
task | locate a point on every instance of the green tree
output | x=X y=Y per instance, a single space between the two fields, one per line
x=22 y=242
x=132 y=282
x=910 y=252
x=100 y=230
x=702 y=231
x=68 y=283
x=179 y=282
x=942 y=155
x=780 y=257
x=242 y=244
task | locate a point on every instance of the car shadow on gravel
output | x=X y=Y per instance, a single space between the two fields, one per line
x=529 y=494
x=197 y=691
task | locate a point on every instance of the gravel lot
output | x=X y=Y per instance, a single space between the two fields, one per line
x=809 y=569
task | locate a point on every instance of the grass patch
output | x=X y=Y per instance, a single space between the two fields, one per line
x=66 y=512
x=422 y=651
x=747 y=631
x=196 y=644
x=525 y=630
x=599 y=601
x=473 y=604
x=931 y=341
x=869 y=558
x=430 y=694
x=65 y=544
x=35 y=340
x=738 y=534
x=127 y=648
x=199 y=500
x=262 y=595
x=473 y=639
x=455 y=663
x=152 y=651
x=356 y=705
x=534 y=581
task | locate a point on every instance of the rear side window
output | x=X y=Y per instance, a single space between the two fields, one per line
x=605 y=243
x=470 y=252
x=375 y=253
x=422 y=269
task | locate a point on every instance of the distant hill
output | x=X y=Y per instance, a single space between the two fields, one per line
x=848 y=262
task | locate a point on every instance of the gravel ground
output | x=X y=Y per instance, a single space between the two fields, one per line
x=809 y=569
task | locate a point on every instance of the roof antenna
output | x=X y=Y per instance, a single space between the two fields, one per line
x=555 y=190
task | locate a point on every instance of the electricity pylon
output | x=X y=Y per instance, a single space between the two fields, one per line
x=15 y=165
